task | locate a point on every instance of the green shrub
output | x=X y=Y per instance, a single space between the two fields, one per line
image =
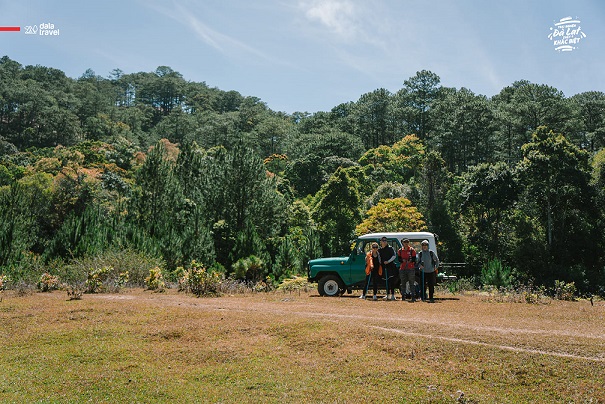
x=203 y=282
x=29 y=269
x=565 y=291
x=460 y=285
x=121 y=280
x=495 y=274
x=4 y=279
x=239 y=268
x=251 y=268
x=155 y=280
x=181 y=275
x=48 y=282
x=287 y=261
x=136 y=264
x=96 y=279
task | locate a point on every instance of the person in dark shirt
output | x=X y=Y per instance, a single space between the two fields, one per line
x=387 y=258
x=373 y=270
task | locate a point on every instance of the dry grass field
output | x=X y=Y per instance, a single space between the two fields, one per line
x=139 y=346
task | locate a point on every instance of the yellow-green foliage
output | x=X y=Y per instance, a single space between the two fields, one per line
x=182 y=277
x=565 y=291
x=121 y=280
x=401 y=160
x=598 y=173
x=51 y=165
x=155 y=280
x=293 y=284
x=3 y=281
x=96 y=278
x=202 y=282
x=392 y=215
x=376 y=156
x=408 y=153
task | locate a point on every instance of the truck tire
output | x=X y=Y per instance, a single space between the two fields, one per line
x=330 y=285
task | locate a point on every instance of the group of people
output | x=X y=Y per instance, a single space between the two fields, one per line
x=380 y=260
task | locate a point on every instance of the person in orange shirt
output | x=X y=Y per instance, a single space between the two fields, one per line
x=373 y=270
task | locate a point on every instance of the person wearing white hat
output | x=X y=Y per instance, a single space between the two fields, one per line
x=428 y=262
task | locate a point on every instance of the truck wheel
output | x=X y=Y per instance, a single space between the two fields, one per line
x=330 y=285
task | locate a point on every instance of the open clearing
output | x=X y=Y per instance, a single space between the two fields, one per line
x=140 y=346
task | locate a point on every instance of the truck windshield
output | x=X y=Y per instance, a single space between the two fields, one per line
x=363 y=246
x=416 y=244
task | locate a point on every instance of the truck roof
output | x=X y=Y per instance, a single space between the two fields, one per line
x=399 y=235
x=414 y=236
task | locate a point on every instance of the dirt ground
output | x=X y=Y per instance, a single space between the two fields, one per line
x=556 y=328
x=299 y=347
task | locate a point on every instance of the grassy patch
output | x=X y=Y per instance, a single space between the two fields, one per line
x=147 y=347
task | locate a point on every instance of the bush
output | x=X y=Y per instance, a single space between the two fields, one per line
x=4 y=279
x=74 y=292
x=565 y=291
x=520 y=294
x=296 y=283
x=28 y=269
x=287 y=261
x=181 y=275
x=495 y=274
x=121 y=280
x=460 y=285
x=48 y=282
x=155 y=280
x=239 y=268
x=532 y=295
x=202 y=282
x=133 y=263
x=264 y=286
x=218 y=268
x=95 y=279
x=251 y=268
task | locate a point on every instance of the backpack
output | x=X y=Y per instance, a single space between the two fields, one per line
x=432 y=257
x=413 y=254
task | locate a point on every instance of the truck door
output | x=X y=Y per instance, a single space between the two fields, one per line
x=357 y=262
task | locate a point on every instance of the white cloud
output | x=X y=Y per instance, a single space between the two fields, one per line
x=338 y=16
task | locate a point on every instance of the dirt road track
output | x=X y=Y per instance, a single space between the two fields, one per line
x=574 y=330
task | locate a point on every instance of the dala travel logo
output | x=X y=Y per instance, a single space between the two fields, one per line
x=44 y=29
x=566 y=34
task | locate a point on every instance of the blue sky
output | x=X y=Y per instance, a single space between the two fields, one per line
x=311 y=55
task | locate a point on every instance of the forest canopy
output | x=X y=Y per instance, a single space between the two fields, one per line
x=177 y=171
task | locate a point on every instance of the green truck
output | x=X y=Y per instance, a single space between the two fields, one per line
x=337 y=275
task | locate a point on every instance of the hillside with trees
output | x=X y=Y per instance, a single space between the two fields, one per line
x=177 y=171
